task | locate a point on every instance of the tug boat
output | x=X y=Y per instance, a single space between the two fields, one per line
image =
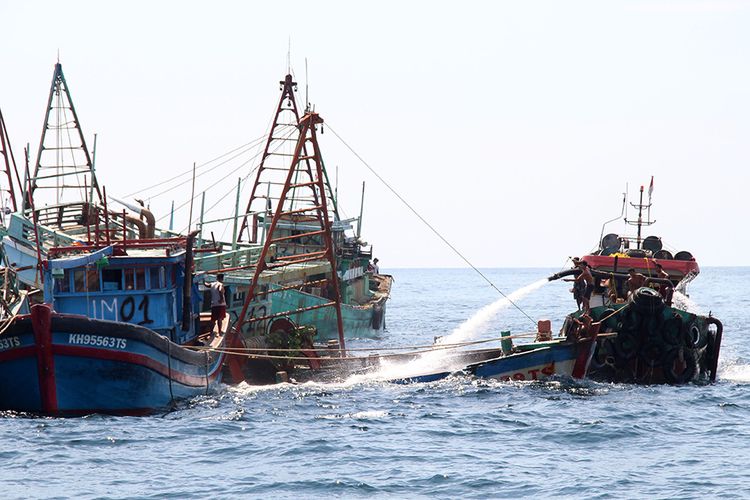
x=119 y=333
x=617 y=253
x=642 y=337
x=645 y=341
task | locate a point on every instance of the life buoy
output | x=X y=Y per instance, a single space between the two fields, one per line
x=697 y=334
x=671 y=332
x=679 y=365
x=647 y=301
x=626 y=345
x=630 y=321
x=652 y=354
x=610 y=319
x=604 y=350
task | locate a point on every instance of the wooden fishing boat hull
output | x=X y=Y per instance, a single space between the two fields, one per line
x=537 y=361
x=360 y=321
x=23 y=257
x=365 y=321
x=557 y=358
x=70 y=365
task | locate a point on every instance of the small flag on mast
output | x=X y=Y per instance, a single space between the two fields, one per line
x=651 y=187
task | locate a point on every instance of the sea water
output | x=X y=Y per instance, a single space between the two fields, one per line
x=457 y=438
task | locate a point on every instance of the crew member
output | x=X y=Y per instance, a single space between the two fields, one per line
x=373 y=267
x=218 y=302
x=665 y=289
x=586 y=280
x=578 y=287
x=585 y=327
x=635 y=281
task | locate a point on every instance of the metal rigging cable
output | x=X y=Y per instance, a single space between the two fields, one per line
x=288 y=134
x=251 y=144
x=222 y=179
x=424 y=221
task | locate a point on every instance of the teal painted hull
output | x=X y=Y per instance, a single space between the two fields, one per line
x=359 y=321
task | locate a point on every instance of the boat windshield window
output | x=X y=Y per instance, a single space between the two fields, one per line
x=135 y=279
x=156 y=275
x=79 y=277
x=86 y=280
x=92 y=276
x=62 y=284
x=111 y=279
x=140 y=279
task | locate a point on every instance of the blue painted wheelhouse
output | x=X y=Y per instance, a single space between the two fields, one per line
x=119 y=332
x=140 y=286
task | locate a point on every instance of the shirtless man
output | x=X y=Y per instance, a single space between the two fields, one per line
x=587 y=278
x=665 y=290
x=635 y=281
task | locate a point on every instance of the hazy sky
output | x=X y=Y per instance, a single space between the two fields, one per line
x=512 y=127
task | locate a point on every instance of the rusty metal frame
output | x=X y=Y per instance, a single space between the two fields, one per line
x=60 y=85
x=308 y=125
x=288 y=87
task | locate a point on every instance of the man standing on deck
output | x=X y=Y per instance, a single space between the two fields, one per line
x=635 y=281
x=218 y=302
x=665 y=289
x=587 y=278
x=373 y=267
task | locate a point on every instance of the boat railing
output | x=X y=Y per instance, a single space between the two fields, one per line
x=22 y=229
x=229 y=259
x=66 y=223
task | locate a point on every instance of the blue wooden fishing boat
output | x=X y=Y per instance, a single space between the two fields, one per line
x=120 y=332
x=563 y=357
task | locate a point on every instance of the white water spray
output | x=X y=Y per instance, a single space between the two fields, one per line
x=439 y=360
x=683 y=302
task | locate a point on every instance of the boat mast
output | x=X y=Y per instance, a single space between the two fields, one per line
x=64 y=148
x=7 y=152
x=285 y=129
x=640 y=222
x=318 y=223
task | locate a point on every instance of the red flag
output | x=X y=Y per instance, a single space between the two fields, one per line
x=651 y=187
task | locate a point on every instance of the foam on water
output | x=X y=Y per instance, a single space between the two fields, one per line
x=682 y=301
x=734 y=372
x=438 y=360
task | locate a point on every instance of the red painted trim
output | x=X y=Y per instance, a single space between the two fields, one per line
x=135 y=359
x=41 y=322
x=131 y=412
x=18 y=353
x=641 y=263
x=236 y=363
x=585 y=351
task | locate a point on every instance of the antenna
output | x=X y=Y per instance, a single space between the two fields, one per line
x=289 y=56
x=307 y=98
x=622 y=212
x=640 y=222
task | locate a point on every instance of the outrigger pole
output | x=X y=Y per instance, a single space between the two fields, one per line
x=286 y=118
x=7 y=152
x=315 y=211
